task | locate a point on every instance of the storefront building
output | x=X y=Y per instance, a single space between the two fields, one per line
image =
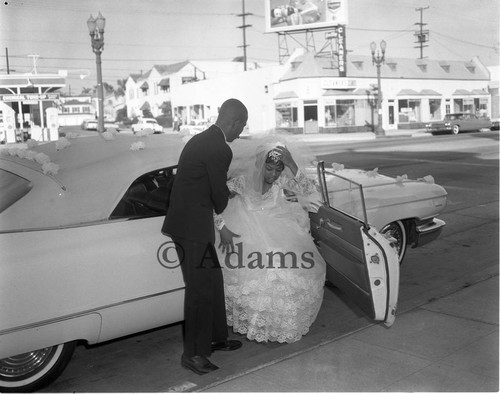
x=312 y=98
x=306 y=95
x=28 y=101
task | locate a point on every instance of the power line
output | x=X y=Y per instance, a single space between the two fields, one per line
x=467 y=42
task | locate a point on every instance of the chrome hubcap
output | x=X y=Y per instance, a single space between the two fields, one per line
x=393 y=230
x=25 y=365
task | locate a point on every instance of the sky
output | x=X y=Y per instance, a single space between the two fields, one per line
x=51 y=35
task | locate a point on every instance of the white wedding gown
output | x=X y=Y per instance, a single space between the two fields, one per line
x=274 y=280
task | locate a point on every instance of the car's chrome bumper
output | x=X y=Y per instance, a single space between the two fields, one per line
x=428 y=231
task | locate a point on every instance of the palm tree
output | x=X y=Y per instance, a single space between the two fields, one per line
x=120 y=90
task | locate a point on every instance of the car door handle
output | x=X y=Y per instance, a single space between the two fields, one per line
x=331 y=225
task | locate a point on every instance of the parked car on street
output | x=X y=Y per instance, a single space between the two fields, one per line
x=89 y=124
x=495 y=123
x=83 y=258
x=194 y=127
x=92 y=124
x=458 y=122
x=147 y=124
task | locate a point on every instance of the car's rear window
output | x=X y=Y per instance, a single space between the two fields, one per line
x=12 y=187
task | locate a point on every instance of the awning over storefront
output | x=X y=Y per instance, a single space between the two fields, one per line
x=145 y=106
x=479 y=92
x=165 y=82
x=286 y=95
x=408 y=92
x=429 y=92
x=462 y=92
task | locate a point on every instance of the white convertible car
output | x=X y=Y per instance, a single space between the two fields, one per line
x=83 y=258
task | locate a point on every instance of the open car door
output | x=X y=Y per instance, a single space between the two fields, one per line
x=360 y=261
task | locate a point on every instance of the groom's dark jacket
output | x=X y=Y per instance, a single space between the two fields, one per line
x=199 y=187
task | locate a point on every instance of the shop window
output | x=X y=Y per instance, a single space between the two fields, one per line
x=342 y=113
x=197 y=113
x=464 y=105
x=330 y=116
x=345 y=110
x=481 y=107
x=182 y=113
x=409 y=111
x=435 y=109
x=286 y=116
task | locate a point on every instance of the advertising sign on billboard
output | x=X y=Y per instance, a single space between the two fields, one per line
x=292 y=15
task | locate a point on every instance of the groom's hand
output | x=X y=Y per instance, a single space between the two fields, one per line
x=226 y=240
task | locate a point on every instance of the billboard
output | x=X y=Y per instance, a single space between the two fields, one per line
x=292 y=15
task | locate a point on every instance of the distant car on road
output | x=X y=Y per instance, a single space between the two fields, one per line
x=89 y=124
x=458 y=122
x=147 y=123
x=195 y=127
x=92 y=124
x=495 y=123
x=109 y=125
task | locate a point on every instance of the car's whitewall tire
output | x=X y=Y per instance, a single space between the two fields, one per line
x=33 y=370
x=396 y=232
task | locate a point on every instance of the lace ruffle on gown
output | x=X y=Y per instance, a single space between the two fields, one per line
x=274 y=281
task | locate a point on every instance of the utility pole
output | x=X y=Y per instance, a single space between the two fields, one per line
x=243 y=27
x=7 y=57
x=421 y=35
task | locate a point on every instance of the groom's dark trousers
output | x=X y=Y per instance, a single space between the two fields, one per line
x=199 y=189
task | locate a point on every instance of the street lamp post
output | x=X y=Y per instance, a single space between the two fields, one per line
x=96 y=30
x=378 y=60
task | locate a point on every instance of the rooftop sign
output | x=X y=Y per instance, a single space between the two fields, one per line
x=29 y=97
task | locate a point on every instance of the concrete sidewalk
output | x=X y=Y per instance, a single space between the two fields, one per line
x=361 y=136
x=450 y=344
x=349 y=137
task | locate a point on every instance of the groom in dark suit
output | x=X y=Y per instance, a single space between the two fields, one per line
x=198 y=191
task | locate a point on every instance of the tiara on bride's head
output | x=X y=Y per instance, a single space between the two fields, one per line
x=274 y=155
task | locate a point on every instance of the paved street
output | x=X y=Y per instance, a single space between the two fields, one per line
x=464 y=257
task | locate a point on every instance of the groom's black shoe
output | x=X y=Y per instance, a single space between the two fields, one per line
x=227 y=345
x=198 y=364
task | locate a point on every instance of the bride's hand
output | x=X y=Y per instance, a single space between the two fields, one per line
x=226 y=240
x=287 y=159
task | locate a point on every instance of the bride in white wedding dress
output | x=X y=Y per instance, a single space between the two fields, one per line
x=274 y=278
